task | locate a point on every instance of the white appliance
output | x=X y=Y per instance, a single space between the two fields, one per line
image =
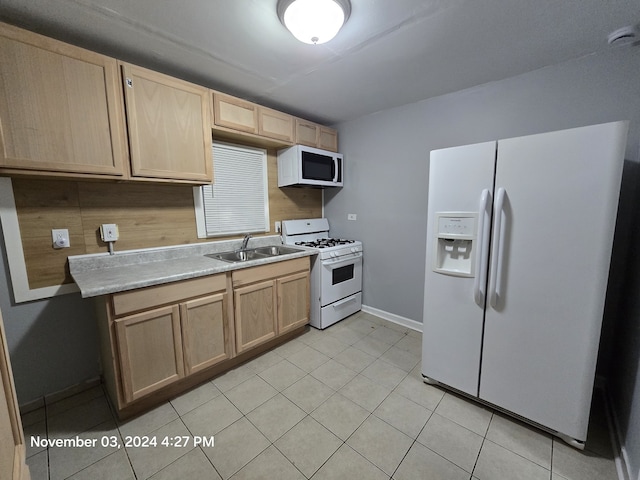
x=336 y=272
x=519 y=242
x=301 y=165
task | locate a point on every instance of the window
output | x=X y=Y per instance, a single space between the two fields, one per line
x=238 y=200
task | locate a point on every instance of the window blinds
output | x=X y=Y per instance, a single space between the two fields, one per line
x=238 y=201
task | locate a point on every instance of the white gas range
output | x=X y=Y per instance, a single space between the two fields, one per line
x=336 y=272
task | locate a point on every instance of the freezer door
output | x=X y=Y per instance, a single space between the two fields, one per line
x=452 y=331
x=554 y=218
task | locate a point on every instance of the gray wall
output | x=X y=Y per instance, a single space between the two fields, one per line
x=53 y=343
x=386 y=157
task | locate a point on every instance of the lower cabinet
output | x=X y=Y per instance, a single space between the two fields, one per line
x=162 y=334
x=293 y=301
x=205 y=332
x=255 y=314
x=158 y=341
x=270 y=300
x=150 y=351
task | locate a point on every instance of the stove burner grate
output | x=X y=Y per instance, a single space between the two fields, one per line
x=326 y=242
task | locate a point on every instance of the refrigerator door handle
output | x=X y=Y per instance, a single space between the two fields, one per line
x=496 y=257
x=482 y=250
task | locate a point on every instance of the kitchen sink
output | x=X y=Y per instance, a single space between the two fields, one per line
x=239 y=255
x=253 y=253
x=274 y=250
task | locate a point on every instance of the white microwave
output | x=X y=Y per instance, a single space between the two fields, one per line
x=301 y=165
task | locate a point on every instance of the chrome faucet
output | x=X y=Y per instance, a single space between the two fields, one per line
x=245 y=240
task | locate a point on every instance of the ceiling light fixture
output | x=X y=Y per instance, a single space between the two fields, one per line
x=313 y=21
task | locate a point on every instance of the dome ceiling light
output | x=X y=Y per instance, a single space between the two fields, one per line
x=313 y=21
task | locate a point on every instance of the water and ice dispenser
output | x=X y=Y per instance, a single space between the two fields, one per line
x=455 y=237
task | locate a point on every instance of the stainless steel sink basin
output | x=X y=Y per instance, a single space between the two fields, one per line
x=274 y=250
x=239 y=255
x=253 y=253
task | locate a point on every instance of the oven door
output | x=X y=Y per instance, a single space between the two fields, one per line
x=341 y=277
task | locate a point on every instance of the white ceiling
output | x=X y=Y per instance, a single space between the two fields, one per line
x=389 y=53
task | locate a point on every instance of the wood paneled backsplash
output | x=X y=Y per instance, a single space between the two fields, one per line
x=148 y=215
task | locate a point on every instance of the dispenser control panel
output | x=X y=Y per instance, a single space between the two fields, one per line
x=454 y=243
x=458 y=227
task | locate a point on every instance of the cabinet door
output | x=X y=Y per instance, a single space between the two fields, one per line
x=293 y=301
x=274 y=124
x=307 y=133
x=205 y=333
x=60 y=107
x=232 y=112
x=328 y=139
x=150 y=350
x=255 y=307
x=169 y=123
x=12 y=445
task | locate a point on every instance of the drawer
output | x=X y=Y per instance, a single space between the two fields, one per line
x=272 y=270
x=168 y=293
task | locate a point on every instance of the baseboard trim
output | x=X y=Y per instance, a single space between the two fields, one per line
x=392 y=317
x=59 y=395
x=620 y=453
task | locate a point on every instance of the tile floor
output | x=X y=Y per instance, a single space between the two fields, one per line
x=344 y=403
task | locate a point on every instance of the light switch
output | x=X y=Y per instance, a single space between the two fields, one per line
x=352 y=216
x=60 y=237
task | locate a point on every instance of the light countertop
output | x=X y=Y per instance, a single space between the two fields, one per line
x=102 y=274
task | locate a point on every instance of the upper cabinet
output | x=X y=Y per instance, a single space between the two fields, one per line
x=315 y=135
x=60 y=107
x=63 y=113
x=277 y=125
x=169 y=123
x=234 y=113
x=234 y=118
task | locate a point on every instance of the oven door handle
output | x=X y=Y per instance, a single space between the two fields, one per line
x=335 y=263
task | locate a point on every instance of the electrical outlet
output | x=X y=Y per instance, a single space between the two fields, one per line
x=60 y=238
x=352 y=216
x=109 y=232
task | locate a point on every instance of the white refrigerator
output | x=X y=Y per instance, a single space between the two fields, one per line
x=519 y=242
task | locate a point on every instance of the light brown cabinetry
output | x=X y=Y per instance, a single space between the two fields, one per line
x=159 y=335
x=150 y=351
x=240 y=115
x=159 y=341
x=293 y=301
x=235 y=113
x=12 y=445
x=169 y=124
x=255 y=315
x=277 y=125
x=60 y=108
x=270 y=300
x=315 y=135
x=205 y=332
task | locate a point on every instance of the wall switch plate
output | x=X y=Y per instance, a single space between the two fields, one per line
x=109 y=232
x=60 y=237
x=278 y=227
x=352 y=216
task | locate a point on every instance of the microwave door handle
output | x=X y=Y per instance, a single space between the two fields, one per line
x=335 y=169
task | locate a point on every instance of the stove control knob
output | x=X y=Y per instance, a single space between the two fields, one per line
x=334 y=254
x=354 y=249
